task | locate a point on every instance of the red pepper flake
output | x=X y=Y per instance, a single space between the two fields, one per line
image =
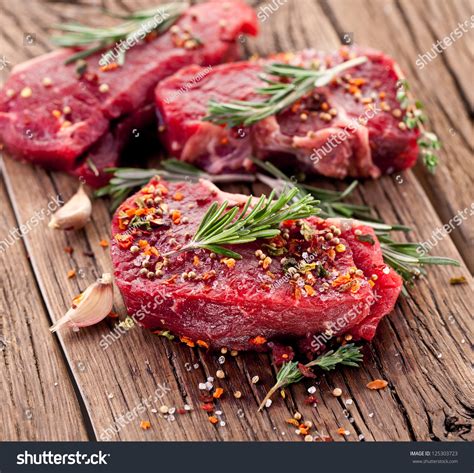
x=109 y=67
x=71 y=274
x=377 y=384
x=145 y=425
x=104 y=243
x=229 y=262
x=178 y=196
x=124 y=241
x=176 y=216
x=213 y=420
x=69 y=250
x=258 y=340
x=188 y=341
x=208 y=407
x=341 y=280
x=142 y=244
x=311 y=399
x=309 y=290
x=341 y=431
x=113 y=315
x=196 y=261
x=218 y=393
x=292 y=422
x=202 y=344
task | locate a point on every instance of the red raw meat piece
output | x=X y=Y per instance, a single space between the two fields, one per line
x=306 y=134
x=215 y=301
x=100 y=122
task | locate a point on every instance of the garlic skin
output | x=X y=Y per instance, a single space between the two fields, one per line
x=74 y=214
x=92 y=306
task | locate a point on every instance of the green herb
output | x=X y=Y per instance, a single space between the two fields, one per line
x=226 y=226
x=290 y=373
x=280 y=94
x=125 y=180
x=100 y=38
x=428 y=142
x=408 y=259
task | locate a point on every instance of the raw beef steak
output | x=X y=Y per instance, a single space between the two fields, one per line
x=79 y=121
x=351 y=127
x=317 y=277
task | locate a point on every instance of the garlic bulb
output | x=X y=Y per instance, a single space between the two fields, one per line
x=92 y=306
x=74 y=214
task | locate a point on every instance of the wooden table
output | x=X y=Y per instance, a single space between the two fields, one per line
x=66 y=387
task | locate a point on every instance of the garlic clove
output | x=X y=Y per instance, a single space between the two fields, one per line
x=74 y=214
x=92 y=306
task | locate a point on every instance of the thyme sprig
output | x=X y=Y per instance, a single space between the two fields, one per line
x=280 y=95
x=290 y=373
x=78 y=35
x=428 y=142
x=260 y=218
x=125 y=180
x=408 y=259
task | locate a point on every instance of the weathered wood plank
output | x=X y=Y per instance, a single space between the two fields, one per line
x=415 y=407
x=38 y=398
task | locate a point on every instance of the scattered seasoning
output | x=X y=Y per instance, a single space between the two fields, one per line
x=458 y=280
x=71 y=274
x=145 y=425
x=26 y=92
x=104 y=243
x=342 y=431
x=255 y=379
x=234 y=353
x=237 y=394
x=104 y=88
x=218 y=393
x=297 y=416
x=377 y=384
x=337 y=392
x=220 y=374
x=164 y=409
x=69 y=250
x=213 y=419
x=47 y=82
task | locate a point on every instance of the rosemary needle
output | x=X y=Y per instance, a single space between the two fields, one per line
x=77 y=35
x=290 y=373
x=280 y=95
x=224 y=225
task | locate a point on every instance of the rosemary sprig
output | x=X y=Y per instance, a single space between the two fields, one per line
x=125 y=180
x=428 y=142
x=226 y=226
x=279 y=94
x=408 y=259
x=100 y=38
x=290 y=373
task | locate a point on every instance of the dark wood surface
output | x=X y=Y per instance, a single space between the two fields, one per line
x=67 y=387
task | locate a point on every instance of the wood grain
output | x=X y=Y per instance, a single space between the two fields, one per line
x=38 y=398
x=428 y=394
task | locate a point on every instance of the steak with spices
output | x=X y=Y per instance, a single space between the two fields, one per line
x=79 y=122
x=318 y=277
x=351 y=127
